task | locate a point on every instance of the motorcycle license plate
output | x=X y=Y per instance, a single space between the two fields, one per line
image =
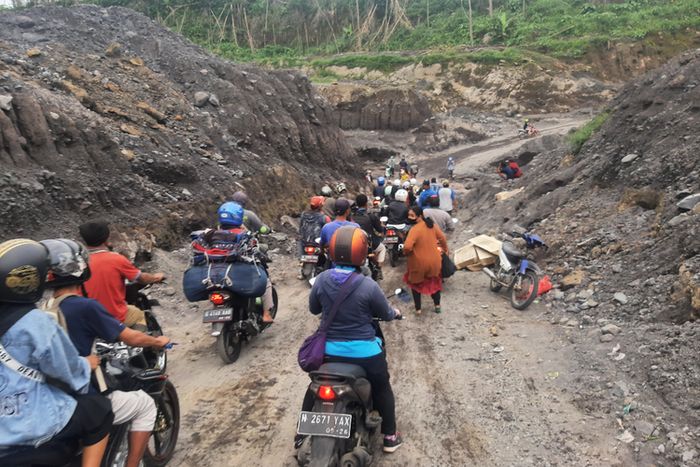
x=334 y=425
x=309 y=259
x=217 y=315
x=391 y=240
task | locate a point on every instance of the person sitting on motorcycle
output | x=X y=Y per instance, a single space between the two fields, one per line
x=329 y=201
x=509 y=170
x=310 y=225
x=110 y=270
x=342 y=216
x=405 y=177
x=34 y=409
x=526 y=125
x=86 y=320
x=231 y=221
x=403 y=164
x=251 y=220
x=374 y=229
x=426 y=192
x=397 y=211
x=352 y=337
x=379 y=189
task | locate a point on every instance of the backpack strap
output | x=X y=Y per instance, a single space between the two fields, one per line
x=348 y=287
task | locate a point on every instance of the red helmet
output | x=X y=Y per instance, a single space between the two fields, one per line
x=316 y=202
x=348 y=246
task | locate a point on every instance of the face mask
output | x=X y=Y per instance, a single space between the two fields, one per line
x=412 y=221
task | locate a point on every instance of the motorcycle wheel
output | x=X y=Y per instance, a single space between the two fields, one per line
x=118 y=447
x=495 y=286
x=522 y=297
x=228 y=345
x=307 y=270
x=393 y=257
x=324 y=452
x=161 y=446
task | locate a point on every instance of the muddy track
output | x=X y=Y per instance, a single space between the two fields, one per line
x=460 y=401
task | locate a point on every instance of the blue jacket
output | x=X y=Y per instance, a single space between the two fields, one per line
x=31 y=413
x=425 y=194
x=353 y=320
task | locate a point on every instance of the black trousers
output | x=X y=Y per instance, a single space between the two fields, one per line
x=382 y=395
x=417 y=301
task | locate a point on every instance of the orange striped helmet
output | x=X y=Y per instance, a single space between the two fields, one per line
x=348 y=246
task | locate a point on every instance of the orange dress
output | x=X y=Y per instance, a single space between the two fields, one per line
x=424 y=259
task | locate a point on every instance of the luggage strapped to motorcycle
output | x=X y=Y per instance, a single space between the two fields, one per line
x=227 y=282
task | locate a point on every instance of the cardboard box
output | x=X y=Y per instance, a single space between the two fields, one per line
x=478 y=252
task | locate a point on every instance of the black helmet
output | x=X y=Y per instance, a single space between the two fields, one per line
x=23 y=267
x=68 y=263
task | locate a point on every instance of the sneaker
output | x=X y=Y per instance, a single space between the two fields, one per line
x=393 y=442
x=298 y=440
x=438 y=310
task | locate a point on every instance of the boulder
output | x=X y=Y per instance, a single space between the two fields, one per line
x=201 y=98
x=689 y=202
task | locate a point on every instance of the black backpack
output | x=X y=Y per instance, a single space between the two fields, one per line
x=310 y=226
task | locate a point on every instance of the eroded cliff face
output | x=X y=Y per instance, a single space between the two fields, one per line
x=105 y=113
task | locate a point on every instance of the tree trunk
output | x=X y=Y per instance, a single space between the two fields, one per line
x=471 y=24
x=490 y=7
x=427 y=13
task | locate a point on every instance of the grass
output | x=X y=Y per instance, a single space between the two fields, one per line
x=578 y=138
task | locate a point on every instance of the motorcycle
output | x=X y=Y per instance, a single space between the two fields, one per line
x=530 y=132
x=339 y=429
x=516 y=271
x=127 y=369
x=235 y=318
x=394 y=237
x=376 y=207
x=313 y=260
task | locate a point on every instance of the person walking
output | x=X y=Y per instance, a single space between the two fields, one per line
x=423 y=274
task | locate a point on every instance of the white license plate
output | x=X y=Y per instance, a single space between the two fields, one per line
x=391 y=240
x=334 y=425
x=217 y=315
x=309 y=259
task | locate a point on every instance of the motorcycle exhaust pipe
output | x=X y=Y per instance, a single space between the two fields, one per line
x=491 y=274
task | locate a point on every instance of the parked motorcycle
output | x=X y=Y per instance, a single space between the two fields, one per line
x=126 y=369
x=340 y=427
x=516 y=271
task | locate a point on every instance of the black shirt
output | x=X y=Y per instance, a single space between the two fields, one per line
x=371 y=224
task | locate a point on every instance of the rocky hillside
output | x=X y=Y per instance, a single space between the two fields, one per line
x=623 y=221
x=104 y=112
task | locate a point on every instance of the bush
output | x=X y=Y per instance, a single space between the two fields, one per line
x=578 y=138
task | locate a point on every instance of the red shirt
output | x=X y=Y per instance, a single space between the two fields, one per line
x=109 y=270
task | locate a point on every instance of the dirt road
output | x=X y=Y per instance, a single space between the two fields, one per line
x=480 y=384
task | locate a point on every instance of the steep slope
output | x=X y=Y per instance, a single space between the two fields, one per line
x=104 y=112
x=625 y=247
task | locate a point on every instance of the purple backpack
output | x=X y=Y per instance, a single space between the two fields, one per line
x=313 y=349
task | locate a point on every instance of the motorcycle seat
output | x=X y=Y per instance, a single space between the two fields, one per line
x=511 y=251
x=342 y=369
x=51 y=453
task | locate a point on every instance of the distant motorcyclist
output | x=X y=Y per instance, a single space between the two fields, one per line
x=110 y=270
x=342 y=214
x=86 y=321
x=352 y=337
x=374 y=229
x=231 y=232
x=403 y=164
x=379 y=189
x=37 y=357
x=311 y=223
x=451 y=167
x=526 y=125
x=397 y=211
x=426 y=192
x=251 y=220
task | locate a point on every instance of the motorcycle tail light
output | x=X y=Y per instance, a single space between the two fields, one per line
x=217 y=298
x=390 y=233
x=326 y=393
x=310 y=250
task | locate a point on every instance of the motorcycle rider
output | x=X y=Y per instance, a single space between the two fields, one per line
x=440 y=217
x=86 y=321
x=526 y=125
x=397 y=211
x=109 y=271
x=352 y=337
x=231 y=222
x=374 y=229
x=379 y=189
x=251 y=220
x=310 y=224
x=426 y=192
x=403 y=164
x=36 y=357
x=342 y=216
x=329 y=202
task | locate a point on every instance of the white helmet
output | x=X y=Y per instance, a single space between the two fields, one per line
x=401 y=195
x=396 y=182
x=340 y=188
x=326 y=191
x=406 y=185
x=388 y=190
x=414 y=182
